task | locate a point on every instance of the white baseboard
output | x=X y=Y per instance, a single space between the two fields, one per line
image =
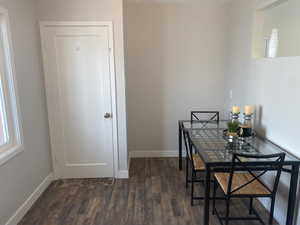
x=24 y=208
x=153 y=154
x=123 y=174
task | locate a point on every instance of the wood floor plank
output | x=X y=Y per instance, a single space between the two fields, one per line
x=155 y=194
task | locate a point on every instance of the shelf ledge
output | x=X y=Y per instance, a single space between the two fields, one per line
x=267 y=4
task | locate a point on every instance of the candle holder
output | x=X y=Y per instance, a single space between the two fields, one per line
x=248 y=117
x=246 y=131
x=246 y=127
x=234 y=117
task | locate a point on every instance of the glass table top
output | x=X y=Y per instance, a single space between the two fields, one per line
x=208 y=139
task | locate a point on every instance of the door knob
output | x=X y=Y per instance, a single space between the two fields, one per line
x=107 y=115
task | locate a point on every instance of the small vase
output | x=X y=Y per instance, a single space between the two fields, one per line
x=232 y=136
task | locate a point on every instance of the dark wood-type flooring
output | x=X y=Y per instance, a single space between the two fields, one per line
x=154 y=194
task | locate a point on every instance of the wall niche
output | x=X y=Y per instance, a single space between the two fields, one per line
x=276 y=29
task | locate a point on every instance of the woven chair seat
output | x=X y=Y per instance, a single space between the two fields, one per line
x=198 y=162
x=239 y=179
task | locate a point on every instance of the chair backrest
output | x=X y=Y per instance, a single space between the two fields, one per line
x=272 y=162
x=205 y=115
x=188 y=147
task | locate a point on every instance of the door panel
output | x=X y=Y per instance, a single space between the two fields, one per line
x=78 y=89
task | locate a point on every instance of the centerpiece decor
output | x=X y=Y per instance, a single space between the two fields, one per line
x=232 y=132
x=238 y=132
x=233 y=129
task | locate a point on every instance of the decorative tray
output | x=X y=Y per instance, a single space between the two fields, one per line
x=234 y=137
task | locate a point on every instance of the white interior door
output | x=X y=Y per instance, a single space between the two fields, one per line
x=78 y=82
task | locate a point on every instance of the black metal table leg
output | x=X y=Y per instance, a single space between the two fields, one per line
x=206 y=196
x=292 y=195
x=180 y=144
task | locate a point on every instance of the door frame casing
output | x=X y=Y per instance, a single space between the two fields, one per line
x=109 y=25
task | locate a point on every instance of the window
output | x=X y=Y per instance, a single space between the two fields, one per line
x=10 y=132
x=3 y=119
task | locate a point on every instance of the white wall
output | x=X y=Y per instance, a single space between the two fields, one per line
x=175 y=63
x=271 y=84
x=97 y=10
x=20 y=176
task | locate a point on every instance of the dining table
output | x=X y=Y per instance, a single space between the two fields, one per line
x=210 y=143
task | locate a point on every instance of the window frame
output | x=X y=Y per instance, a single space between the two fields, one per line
x=9 y=85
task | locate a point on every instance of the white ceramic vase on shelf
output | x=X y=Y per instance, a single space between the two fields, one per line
x=273 y=44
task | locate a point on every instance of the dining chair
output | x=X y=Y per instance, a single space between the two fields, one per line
x=195 y=163
x=244 y=181
x=193 y=160
x=205 y=115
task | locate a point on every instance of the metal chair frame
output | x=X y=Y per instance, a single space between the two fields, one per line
x=189 y=158
x=189 y=153
x=238 y=165
x=215 y=116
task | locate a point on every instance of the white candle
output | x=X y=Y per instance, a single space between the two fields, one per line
x=248 y=110
x=235 y=110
